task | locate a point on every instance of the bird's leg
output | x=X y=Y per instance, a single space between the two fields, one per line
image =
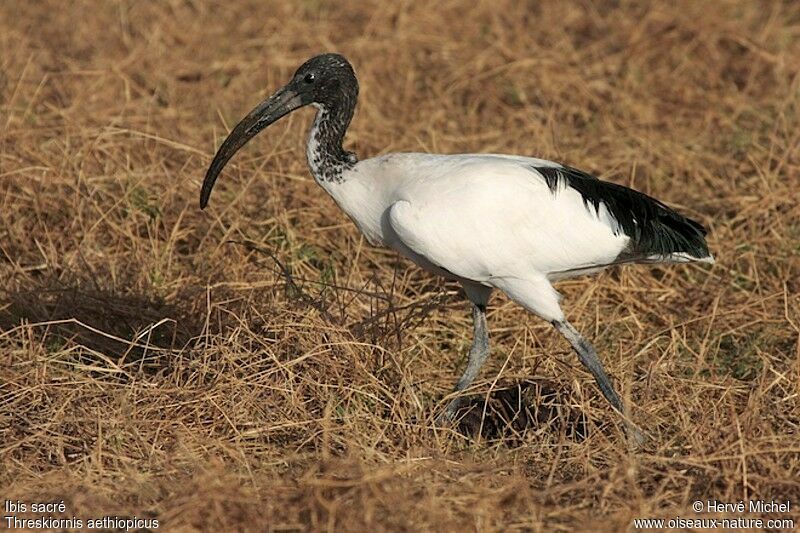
x=588 y=356
x=477 y=355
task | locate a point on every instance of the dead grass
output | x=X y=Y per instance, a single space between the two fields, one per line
x=150 y=367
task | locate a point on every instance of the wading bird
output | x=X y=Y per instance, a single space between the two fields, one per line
x=486 y=221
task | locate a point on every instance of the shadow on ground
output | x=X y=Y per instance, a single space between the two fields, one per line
x=531 y=406
x=126 y=327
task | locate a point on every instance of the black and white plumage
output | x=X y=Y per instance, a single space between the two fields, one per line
x=487 y=221
x=657 y=232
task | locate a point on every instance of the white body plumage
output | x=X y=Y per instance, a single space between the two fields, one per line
x=480 y=218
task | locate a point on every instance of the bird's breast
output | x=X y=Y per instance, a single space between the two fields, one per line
x=364 y=201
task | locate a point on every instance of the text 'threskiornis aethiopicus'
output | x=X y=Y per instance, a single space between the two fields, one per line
x=486 y=221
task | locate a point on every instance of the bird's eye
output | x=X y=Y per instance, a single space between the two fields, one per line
x=309 y=78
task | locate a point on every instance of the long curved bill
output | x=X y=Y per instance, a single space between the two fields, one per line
x=276 y=106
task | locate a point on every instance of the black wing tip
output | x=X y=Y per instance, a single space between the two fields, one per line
x=653 y=227
x=698 y=226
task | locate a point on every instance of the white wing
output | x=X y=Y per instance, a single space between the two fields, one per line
x=491 y=217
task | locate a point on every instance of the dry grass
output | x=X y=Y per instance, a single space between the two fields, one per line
x=151 y=367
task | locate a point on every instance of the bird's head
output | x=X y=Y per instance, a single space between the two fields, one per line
x=323 y=80
x=326 y=79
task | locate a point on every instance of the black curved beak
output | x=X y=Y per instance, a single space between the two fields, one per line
x=270 y=110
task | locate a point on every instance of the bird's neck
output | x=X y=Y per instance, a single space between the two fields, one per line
x=327 y=159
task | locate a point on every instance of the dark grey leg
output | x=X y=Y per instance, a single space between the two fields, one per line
x=477 y=355
x=588 y=356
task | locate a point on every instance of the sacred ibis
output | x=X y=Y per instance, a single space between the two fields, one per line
x=487 y=221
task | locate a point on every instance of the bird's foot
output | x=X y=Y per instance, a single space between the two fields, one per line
x=447 y=417
x=636 y=438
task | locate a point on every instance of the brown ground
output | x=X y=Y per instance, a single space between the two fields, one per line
x=151 y=367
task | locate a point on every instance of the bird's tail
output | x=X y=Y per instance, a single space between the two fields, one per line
x=671 y=238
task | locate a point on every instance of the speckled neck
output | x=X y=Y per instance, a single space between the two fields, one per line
x=326 y=158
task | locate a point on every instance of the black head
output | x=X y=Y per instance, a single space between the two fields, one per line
x=326 y=80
